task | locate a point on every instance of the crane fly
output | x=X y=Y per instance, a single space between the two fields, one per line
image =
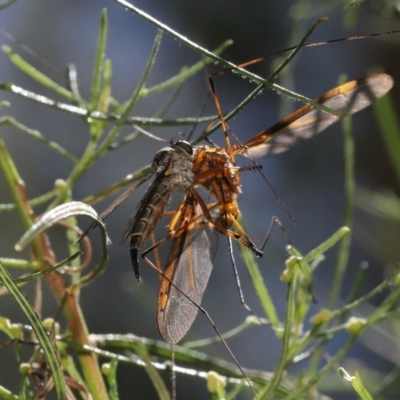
x=193 y=228
x=216 y=169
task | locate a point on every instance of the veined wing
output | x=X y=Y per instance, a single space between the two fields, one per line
x=112 y=207
x=306 y=122
x=146 y=217
x=187 y=272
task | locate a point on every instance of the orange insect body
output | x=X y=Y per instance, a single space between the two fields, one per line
x=193 y=230
x=214 y=170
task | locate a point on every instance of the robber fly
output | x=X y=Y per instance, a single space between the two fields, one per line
x=173 y=169
x=193 y=227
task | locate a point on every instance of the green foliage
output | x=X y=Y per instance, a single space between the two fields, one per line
x=301 y=332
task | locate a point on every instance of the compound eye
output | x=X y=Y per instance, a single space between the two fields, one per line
x=161 y=159
x=185 y=146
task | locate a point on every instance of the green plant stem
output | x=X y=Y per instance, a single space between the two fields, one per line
x=32 y=202
x=96 y=115
x=261 y=289
x=99 y=62
x=270 y=389
x=307 y=385
x=33 y=133
x=17 y=263
x=94 y=150
x=17 y=189
x=39 y=274
x=344 y=249
x=103 y=147
x=386 y=116
x=35 y=74
x=155 y=377
x=227 y=335
x=7 y=395
x=42 y=252
x=185 y=73
x=6 y=4
x=223 y=62
x=47 y=345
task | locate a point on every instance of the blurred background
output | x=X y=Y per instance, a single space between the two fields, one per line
x=308 y=179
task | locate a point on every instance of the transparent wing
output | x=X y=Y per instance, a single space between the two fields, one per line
x=307 y=121
x=189 y=266
x=156 y=196
x=112 y=207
